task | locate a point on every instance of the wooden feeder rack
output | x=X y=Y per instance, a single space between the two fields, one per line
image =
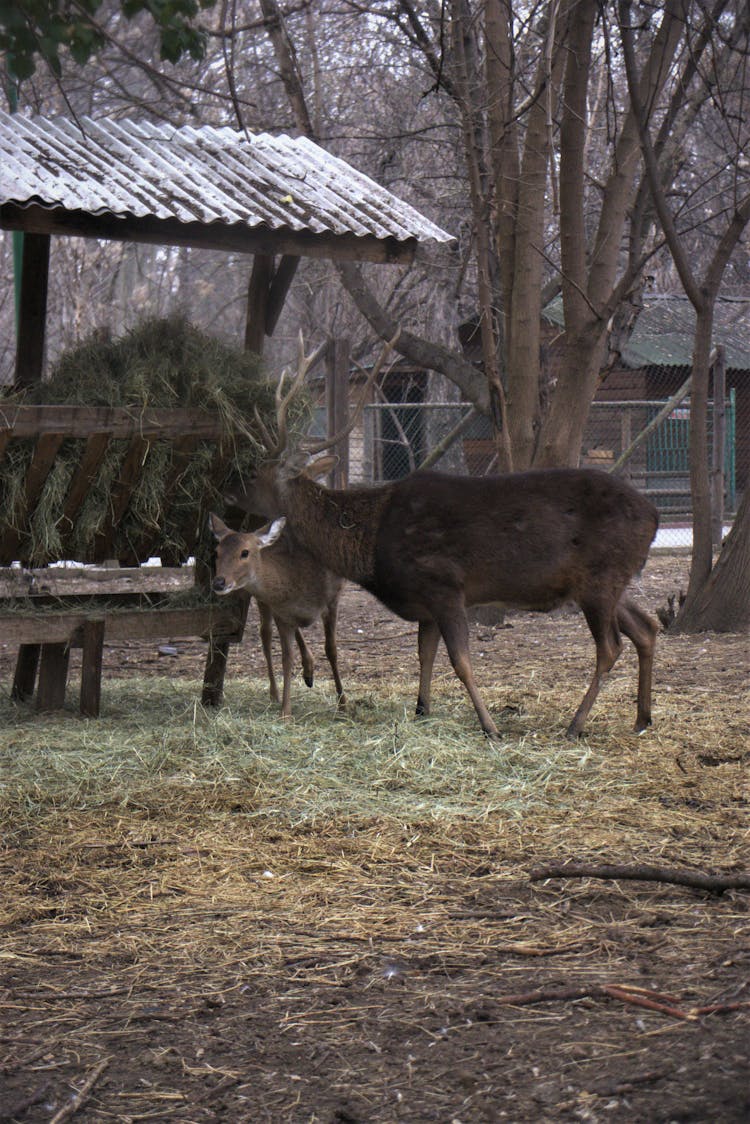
x=119 y=598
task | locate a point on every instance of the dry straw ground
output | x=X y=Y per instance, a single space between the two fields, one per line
x=225 y=917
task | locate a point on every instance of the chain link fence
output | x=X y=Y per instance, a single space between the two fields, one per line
x=645 y=441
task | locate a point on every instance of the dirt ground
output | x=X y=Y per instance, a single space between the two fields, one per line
x=453 y=989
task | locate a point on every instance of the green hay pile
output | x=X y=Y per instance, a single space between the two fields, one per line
x=160 y=363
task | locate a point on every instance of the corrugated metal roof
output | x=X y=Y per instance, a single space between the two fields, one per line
x=204 y=175
x=664 y=331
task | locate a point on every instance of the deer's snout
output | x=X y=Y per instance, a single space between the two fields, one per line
x=220 y=585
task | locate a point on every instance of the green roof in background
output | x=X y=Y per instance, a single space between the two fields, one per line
x=663 y=334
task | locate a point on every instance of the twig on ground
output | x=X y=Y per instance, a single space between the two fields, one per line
x=638 y=999
x=714 y=883
x=79 y=1099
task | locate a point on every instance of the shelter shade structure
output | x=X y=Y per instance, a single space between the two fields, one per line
x=278 y=198
x=274 y=198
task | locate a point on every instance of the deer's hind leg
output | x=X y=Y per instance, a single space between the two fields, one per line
x=308 y=663
x=602 y=621
x=428 y=638
x=642 y=630
x=330 y=617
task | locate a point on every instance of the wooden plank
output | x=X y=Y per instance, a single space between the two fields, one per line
x=91 y=667
x=32 y=317
x=130 y=624
x=83 y=478
x=27 y=663
x=182 y=452
x=53 y=676
x=129 y=475
x=88 y=581
x=116 y=421
x=39 y=468
x=190 y=529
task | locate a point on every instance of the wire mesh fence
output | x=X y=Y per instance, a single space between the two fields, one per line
x=645 y=441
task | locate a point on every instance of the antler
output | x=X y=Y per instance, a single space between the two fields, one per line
x=314 y=447
x=275 y=446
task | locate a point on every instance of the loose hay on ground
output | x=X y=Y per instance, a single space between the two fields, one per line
x=251 y=919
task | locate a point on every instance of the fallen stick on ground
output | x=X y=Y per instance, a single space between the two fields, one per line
x=625 y=993
x=715 y=883
x=79 y=1099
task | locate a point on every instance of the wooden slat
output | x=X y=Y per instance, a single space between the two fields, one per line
x=53 y=676
x=39 y=469
x=137 y=624
x=182 y=452
x=87 y=581
x=130 y=473
x=26 y=668
x=83 y=478
x=117 y=421
x=191 y=527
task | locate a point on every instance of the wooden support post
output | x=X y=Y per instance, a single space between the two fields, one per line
x=213 y=677
x=26 y=668
x=91 y=667
x=33 y=310
x=337 y=405
x=257 y=303
x=53 y=676
x=282 y=279
x=719 y=445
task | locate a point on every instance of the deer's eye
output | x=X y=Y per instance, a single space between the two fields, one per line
x=245 y=554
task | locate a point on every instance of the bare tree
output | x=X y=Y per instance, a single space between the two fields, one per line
x=550 y=206
x=701 y=608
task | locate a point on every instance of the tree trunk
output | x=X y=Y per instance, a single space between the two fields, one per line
x=700 y=487
x=723 y=604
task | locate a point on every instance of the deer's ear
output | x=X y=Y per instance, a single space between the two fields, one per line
x=218 y=529
x=267 y=538
x=321 y=467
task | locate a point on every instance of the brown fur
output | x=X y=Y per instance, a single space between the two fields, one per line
x=430 y=545
x=289 y=585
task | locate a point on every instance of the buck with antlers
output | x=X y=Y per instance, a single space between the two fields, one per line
x=431 y=545
x=290 y=586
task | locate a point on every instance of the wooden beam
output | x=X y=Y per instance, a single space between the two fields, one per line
x=116 y=421
x=53 y=676
x=27 y=663
x=257 y=303
x=91 y=667
x=337 y=402
x=282 y=279
x=136 y=624
x=93 y=581
x=32 y=318
x=214 y=236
